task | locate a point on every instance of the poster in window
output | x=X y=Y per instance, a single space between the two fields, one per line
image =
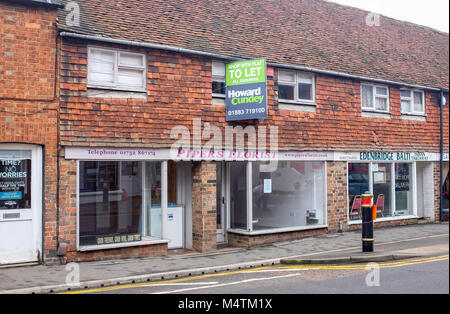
x=15 y=183
x=379 y=177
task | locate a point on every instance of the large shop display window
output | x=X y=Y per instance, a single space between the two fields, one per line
x=290 y=196
x=390 y=183
x=119 y=202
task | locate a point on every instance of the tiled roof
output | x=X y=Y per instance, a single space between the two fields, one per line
x=311 y=33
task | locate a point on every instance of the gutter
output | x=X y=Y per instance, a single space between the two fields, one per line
x=132 y=43
x=48 y=4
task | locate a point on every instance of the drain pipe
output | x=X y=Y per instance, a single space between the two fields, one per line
x=441 y=148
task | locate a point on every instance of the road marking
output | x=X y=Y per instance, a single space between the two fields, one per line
x=225 y=284
x=183 y=284
x=363 y=266
x=145 y=284
x=256 y=270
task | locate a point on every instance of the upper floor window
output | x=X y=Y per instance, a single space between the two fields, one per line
x=375 y=98
x=115 y=69
x=413 y=101
x=218 y=79
x=296 y=87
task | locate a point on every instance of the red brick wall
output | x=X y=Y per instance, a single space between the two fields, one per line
x=179 y=89
x=27 y=51
x=337 y=204
x=204 y=223
x=28 y=106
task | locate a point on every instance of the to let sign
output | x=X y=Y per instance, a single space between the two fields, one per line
x=246 y=90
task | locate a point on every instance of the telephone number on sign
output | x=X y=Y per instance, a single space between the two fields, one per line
x=240 y=112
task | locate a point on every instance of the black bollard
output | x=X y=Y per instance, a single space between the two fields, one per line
x=367 y=223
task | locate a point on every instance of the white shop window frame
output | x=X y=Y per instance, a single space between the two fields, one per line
x=392 y=218
x=115 y=85
x=143 y=242
x=218 y=77
x=249 y=205
x=297 y=100
x=375 y=95
x=411 y=99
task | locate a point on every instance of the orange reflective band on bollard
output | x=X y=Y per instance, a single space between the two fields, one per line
x=374 y=212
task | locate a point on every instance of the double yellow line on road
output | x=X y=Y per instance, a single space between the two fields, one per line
x=363 y=266
x=292 y=267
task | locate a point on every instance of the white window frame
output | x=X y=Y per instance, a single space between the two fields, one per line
x=117 y=66
x=295 y=85
x=413 y=215
x=218 y=78
x=249 y=204
x=375 y=95
x=411 y=99
x=145 y=240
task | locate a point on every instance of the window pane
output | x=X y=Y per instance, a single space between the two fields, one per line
x=405 y=93
x=418 y=102
x=286 y=76
x=358 y=184
x=291 y=196
x=101 y=66
x=382 y=188
x=218 y=87
x=129 y=59
x=286 y=92
x=406 y=105
x=15 y=179
x=382 y=91
x=131 y=78
x=381 y=104
x=238 y=195
x=218 y=69
x=219 y=194
x=367 y=96
x=152 y=197
x=403 y=189
x=110 y=202
x=305 y=91
x=305 y=78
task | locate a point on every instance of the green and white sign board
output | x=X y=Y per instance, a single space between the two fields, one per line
x=246 y=90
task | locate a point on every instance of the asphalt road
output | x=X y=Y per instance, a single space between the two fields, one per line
x=428 y=275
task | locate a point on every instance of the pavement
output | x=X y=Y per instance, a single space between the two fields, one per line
x=392 y=243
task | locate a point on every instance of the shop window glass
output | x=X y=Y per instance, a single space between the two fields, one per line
x=403 y=189
x=358 y=184
x=382 y=188
x=291 y=196
x=15 y=179
x=111 y=201
x=238 y=195
x=391 y=185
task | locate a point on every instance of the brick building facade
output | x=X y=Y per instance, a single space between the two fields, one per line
x=122 y=91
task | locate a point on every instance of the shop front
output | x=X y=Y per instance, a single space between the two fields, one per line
x=141 y=197
x=402 y=184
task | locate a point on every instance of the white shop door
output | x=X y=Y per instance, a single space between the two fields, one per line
x=20 y=203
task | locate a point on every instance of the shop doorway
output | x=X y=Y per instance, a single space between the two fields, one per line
x=20 y=203
x=221 y=202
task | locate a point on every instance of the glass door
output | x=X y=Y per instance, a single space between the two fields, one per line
x=220 y=201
